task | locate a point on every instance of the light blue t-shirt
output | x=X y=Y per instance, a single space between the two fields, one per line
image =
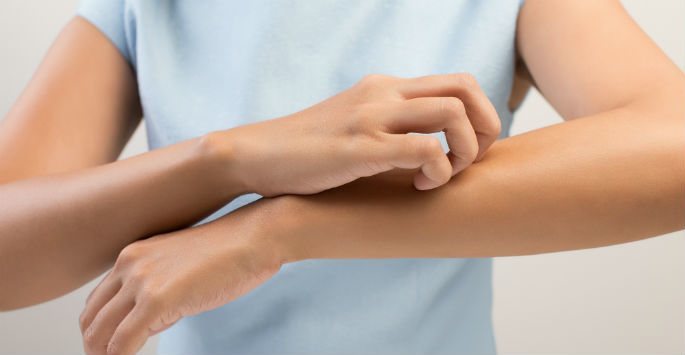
x=205 y=65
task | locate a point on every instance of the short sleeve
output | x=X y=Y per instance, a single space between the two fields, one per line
x=109 y=17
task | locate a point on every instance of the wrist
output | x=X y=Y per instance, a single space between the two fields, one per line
x=216 y=150
x=285 y=228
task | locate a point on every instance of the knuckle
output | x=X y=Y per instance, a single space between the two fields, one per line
x=375 y=82
x=429 y=147
x=492 y=127
x=373 y=79
x=467 y=80
x=128 y=255
x=451 y=107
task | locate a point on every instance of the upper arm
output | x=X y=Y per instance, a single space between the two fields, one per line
x=79 y=109
x=587 y=57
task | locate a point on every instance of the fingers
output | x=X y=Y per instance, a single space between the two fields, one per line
x=409 y=151
x=435 y=114
x=97 y=299
x=97 y=336
x=133 y=331
x=479 y=109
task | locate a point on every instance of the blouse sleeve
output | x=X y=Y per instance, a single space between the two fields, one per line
x=109 y=16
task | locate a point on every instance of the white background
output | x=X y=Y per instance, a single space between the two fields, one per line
x=626 y=299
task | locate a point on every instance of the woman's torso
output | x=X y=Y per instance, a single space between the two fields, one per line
x=211 y=65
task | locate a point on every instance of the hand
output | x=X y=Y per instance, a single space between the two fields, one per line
x=157 y=281
x=362 y=132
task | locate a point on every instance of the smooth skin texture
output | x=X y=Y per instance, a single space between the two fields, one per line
x=55 y=160
x=362 y=132
x=613 y=173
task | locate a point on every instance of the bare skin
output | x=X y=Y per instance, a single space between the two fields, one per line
x=613 y=173
x=66 y=215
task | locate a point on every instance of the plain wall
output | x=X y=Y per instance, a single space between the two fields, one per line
x=625 y=299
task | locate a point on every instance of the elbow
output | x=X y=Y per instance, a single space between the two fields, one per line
x=671 y=99
x=662 y=103
x=674 y=120
x=661 y=117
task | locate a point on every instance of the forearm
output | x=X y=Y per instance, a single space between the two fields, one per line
x=610 y=178
x=59 y=231
x=549 y=190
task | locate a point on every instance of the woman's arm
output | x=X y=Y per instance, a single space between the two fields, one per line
x=596 y=181
x=79 y=109
x=64 y=216
x=615 y=174
x=606 y=179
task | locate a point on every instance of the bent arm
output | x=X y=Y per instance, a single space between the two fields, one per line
x=547 y=190
x=65 y=209
x=59 y=231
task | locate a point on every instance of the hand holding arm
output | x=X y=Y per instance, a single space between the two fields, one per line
x=522 y=198
x=539 y=192
x=68 y=210
x=362 y=131
x=615 y=175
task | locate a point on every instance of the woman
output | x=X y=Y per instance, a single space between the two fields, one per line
x=370 y=239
